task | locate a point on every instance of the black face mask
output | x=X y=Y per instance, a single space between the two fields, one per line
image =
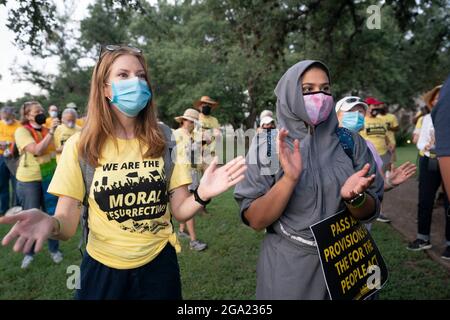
x=375 y=112
x=40 y=119
x=206 y=110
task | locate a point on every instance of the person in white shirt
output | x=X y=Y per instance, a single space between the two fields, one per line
x=429 y=177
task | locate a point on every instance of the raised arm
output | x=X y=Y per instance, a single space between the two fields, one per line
x=214 y=182
x=268 y=208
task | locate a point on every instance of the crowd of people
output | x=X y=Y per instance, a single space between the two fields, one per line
x=115 y=171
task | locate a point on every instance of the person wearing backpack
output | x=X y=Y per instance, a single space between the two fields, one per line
x=316 y=179
x=121 y=162
x=351 y=112
x=36 y=167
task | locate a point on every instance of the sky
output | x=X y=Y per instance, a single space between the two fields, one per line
x=10 y=55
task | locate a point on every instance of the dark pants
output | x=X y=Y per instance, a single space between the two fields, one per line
x=5 y=177
x=30 y=196
x=157 y=280
x=429 y=182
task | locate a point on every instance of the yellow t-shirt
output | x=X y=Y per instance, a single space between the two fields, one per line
x=62 y=134
x=29 y=165
x=129 y=220
x=80 y=122
x=392 y=122
x=207 y=124
x=7 y=131
x=375 y=130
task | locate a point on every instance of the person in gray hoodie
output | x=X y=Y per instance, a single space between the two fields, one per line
x=300 y=177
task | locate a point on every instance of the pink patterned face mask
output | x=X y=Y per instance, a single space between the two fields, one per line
x=318 y=106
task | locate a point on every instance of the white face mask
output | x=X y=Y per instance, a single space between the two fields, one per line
x=53 y=114
x=70 y=124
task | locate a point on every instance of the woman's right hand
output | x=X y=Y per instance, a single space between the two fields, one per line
x=291 y=161
x=30 y=227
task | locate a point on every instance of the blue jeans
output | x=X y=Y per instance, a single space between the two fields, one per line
x=5 y=177
x=31 y=196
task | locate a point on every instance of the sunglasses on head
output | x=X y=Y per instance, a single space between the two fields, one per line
x=114 y=47
x=353 y=99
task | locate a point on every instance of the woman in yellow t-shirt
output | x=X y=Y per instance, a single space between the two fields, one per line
x=35 y=170
x=130 y=251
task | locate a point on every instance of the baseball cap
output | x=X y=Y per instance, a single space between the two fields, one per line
x=347 y=103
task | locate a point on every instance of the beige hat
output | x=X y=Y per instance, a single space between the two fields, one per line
x=205 y=99
x=189 y=114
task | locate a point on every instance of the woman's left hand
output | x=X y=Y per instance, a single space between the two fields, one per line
x=217 y=180
x=357 y=183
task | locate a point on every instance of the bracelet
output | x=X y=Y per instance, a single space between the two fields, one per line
x=56 y=233
x=200 y=200
x=358 y=201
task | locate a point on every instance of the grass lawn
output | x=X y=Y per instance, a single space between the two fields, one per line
x=227 y=269
x=406 y=153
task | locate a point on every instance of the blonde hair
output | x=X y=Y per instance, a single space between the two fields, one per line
x=101 y=122
x=25 y=110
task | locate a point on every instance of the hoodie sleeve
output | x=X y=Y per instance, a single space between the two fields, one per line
x=362 y=155
x=261 y=163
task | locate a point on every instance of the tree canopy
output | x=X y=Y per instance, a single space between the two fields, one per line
x=236 y=50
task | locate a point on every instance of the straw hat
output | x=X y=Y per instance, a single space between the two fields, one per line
x=206 y=100
x=189 y=114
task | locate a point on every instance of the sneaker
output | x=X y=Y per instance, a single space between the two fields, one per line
x=197 y=245
x=57 y=256
x=446 y=253
x=419 y=244
x=383 y=218
x=26 y=261
x=182 y=234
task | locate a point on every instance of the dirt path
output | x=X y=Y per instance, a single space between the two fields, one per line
x=400 y=205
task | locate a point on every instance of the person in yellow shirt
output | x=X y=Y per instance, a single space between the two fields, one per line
x=53 y=114
x=35 y=170
x=209 y=127
x=64 y=131
x=375 y=130
x=8 y=126
x=185 y=144
x=392 y=127
x=130 y=252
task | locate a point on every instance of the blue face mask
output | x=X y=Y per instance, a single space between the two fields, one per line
x=130 y=96
x=353 y=121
